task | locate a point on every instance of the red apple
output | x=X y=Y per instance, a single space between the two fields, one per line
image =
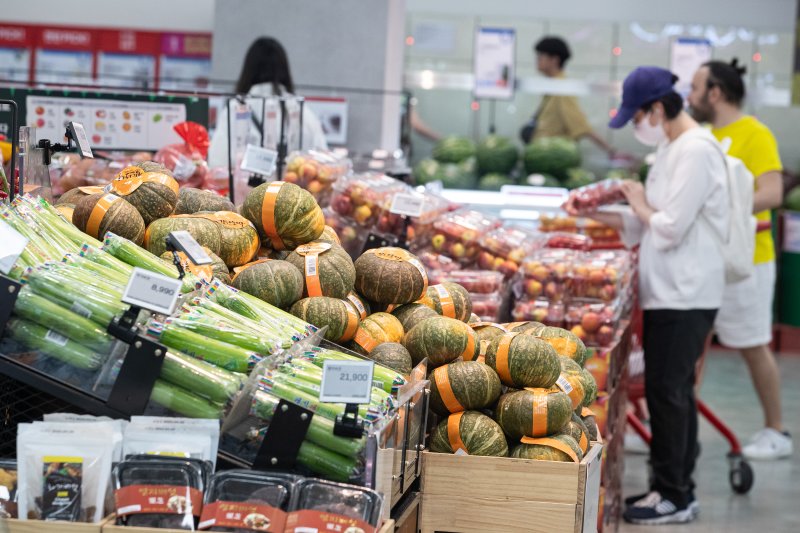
x=590 y=322
x=605 y=335
x=343 y=205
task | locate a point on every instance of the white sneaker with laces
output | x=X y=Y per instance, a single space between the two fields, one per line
x=768 y=444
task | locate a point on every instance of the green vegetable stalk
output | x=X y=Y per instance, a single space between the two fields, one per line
x=223 y=331
x=52 y=218
x=219 y=353
x=255 y=309
x=203 y=379
x=382 y=377
x=328 y=464
x=183 y=402
x=285 y=391
x=105 y=259
x=53 y=344
x=210 y=309
x=104 y=272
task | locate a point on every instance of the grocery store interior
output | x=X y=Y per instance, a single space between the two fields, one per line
x=306 y=267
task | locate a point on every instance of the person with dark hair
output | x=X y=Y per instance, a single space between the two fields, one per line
x=745 y=318
x=677 y=219
x=265 y=74
x=559 y=115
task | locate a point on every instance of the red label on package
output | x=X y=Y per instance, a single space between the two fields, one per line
x=320 y=522
x=241 y=515
x=159 y=499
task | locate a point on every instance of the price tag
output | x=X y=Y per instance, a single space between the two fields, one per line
x=259 y=160
x=407 y=204
x=152 y=291
x=376 y=164
x=184 y=242
x=79 y=134
x=13 y=245
x=346 y=382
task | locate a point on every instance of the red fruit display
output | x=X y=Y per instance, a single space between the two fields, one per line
x=487 y=306
x=600 y=275
x=458 y=234
x=569 y=241
x=544 y=274
x=549 y=314
x=594 y=323
x=316 y=171
x=589 y=198
x=558 y=222
x=351 y=236
x=505 y=248
x=363 y=198
x=474 y=281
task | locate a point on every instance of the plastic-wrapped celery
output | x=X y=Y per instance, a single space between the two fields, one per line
x=55 y=220
x=47 y=251
x=255 y=309
x=273 y=332
x=328 y=464
x=119 y=278
x=53 y=344
x=86 y=279
x=288 y=392
x=30 y=212
x=96 y=255
x=382 y=377
x=202 y=378
x=51 y=315
x=216 y=352
x=223 y=331
x=380 y=401
x=183 y=402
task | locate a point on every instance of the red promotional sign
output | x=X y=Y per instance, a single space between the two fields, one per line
x=15 y=36
x=129 y=42
x=66 y=39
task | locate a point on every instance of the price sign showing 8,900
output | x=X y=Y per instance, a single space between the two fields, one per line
x=152 y=291
x=346 y=382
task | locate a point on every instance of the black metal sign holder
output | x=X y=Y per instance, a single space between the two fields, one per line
x=285 y=434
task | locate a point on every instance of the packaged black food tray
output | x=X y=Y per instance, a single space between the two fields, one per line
x=327 y=506
x=8 y=488
x=206 y=466
x=243 y=501
x=159 y=492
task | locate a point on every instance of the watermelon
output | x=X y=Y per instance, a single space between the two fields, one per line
x=578 y=177
x=576 y=429
x=99 y=213
x=590 y=388
x=792 y=201
x=426 y=171
x=450 y=300
x=390 y=276
x=327 y=269
x=566 y=343
x=154 y=193
x=195 y=200
x=284 y=214
x=457 y=175
x=496 y=154
x=392 y=355
x=374 y=330
x=494 y=182
x=522 y=361
x=472 y=432
x=551 y=155
x=463 y=386
x=218 y=268
x=571 y=381
x=549 y=449
x=410 y=315
x=453 y=149
x=339 y=316
x=441 y=340
x=278 y=283
x=533 y=412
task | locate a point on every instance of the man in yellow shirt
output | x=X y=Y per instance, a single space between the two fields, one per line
x=744 y=321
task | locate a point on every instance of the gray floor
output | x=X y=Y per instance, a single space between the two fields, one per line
x=773 y=505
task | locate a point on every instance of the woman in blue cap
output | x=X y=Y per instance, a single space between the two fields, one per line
x=681 y=274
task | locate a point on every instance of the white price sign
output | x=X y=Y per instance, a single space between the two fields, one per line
x=82 y=140
x=346 y=382
x=152 y=291
x=186 y=243
x=259 y=160
x=13 y=245
x=407 y=204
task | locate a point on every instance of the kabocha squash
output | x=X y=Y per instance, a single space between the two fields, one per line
x=589 y=387
x=450 y=300
x=463 y=386
x=153 y=193
x=561 y=448
x=327 y=269
x=204 y=231
x=73 y=195
x=576 y=429
x=487 y=331
x=393 y=355
x=524 y=327
x=217 y=268
x=472 y=432
x=285 y=215
x=390 y=276
x=97 y=214
x=192 y=201
x=571 y=381
x=588 y=419
x=441 y=340
x=533 y=412
x=278 y=283
x=340 y=316
x=376 y=329
x=329 y=235
x=412 y=314
x=523 y=361
x=566 y=343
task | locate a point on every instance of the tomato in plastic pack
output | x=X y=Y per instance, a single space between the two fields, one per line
x=594 y=323
x=474 y=281
x=457 y=234
x=548 y=313
x=504 y=249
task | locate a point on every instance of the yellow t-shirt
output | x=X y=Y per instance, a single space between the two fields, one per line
x=753 y=143
x=561 y=116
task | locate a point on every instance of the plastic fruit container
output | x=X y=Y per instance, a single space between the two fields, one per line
x=600 y=275
x=605 y=192
x=557 y=222
x=457 y=234
x=436 y=263
x=600 y=232
x=488 y=307
x=504 y=249
x=352 y=237
x=569 y=241
x=594 y=323
x=316 y=171
x=548 y=313
x=544 y=274
x=363 y=198
x=474 y=281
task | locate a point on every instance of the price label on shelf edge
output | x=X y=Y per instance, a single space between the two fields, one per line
x=259 y=160
x=13 y=245
x=407 y=204
x=346 y=382
x=191 y=247
x=152 y=291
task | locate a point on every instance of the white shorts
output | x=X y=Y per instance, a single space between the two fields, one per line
x=745 y=317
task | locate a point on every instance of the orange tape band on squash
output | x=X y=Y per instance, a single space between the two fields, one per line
x=573 y=393
x=454 y=433
x=352 y=321
x=313 y=285
x=163 y=179
x=469 y=351
x=446 y=390
x=98 y=212
x=553 y=443
x=584 y=443
x=268 y=214
x=362 y=311
x=501 y=358
x=365 y=340
x=539 y=414
x=446 y=300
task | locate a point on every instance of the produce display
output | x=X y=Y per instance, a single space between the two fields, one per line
x=441 y=340
x=316 y=171
x=505 y=248
x=457 y=235
x=496 y=155
x=365 y=199
x=326 y=267
x=588 y=198
x=285 y=215
x=453 y=149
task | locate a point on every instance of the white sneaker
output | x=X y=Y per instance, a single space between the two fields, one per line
x=768 y=444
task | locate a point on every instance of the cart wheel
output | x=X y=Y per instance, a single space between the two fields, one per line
x=741 y=477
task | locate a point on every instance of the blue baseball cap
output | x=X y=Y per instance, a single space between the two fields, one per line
x=643 y=85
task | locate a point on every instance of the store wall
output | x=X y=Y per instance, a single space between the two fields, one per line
x=332 y=47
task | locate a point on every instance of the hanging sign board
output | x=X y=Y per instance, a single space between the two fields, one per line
x=686 y=56
x=494 y=63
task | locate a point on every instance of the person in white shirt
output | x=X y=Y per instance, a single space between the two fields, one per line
x=681 y=276
x=265 y=73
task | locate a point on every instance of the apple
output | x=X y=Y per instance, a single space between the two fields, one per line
x=598 y=367
x=533 y=288
x=597 y=277
x=516 y=255
x=385 y=223
x=438 y=241
x=608 y=292
x=308 y=171
x=343 y=205
x=315 y=187
x=357 y=194
x=457 y=250
x=579 y=332
x=498 y=263
x=485 y=260
x=541 y=273
x=291 y=177
x=605 y=335
x=508 y=268
x=362 y=214
x=551 y=290
x=348 y=234
x=590 y=322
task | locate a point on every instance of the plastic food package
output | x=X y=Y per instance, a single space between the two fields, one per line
x=594 y=323
x=354 y=507
x=504 y=249
x=457 y=234
x=548 y=313
x=187 y=160
x=363 y=198
x=173 y=437
x=557 y=222
x=435 y=262
x=487 y=306
x=159 y=492
x=419 y=227
x=569 y=241
x=8 y=488
x=600 y=233
x=544 y=274
x=474 y=281
x=600 y=275
x=64 y=470
x=316 y=171
x=244 y=500
x=117 y=425
x=588 y=198
x=351 y=235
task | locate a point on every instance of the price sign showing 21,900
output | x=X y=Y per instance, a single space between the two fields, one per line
x=346 y=382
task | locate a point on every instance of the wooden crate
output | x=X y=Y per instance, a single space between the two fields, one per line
x=406 y=516
x=12 y=525
x=387 y=527
x=470 y=494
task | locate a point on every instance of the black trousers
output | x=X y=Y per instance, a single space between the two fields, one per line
x=673 y=342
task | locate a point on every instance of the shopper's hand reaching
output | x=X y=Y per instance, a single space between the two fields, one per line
x=634 y=193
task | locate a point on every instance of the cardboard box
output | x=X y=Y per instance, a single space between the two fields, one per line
x=506 y=495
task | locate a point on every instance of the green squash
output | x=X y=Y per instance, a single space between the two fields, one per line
x=566 y=343
x=390 y=276
x=588 y=419
x=463 y=386
x=120 y=217
x=153 y=193
x=393 y=355
x=410 y=315
x=590 y=388
x=339 y=316
x=192 y=201
x=374 y=330
x=527 y=328
x=450 y=300
x=576 y=429
x=335 y=273
x=516 y=414
x=479 y=434
x=284 y=214
x=546 y=452
x=441 y=340
x=276 y=282
x=522 y=361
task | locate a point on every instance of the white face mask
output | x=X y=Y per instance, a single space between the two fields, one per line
x=648 y=134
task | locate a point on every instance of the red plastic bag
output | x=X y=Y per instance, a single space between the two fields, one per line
x=187 y=160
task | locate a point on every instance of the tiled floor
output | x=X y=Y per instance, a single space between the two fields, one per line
x=773 y=505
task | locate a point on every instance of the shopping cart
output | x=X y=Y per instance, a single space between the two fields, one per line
x=740 y=474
